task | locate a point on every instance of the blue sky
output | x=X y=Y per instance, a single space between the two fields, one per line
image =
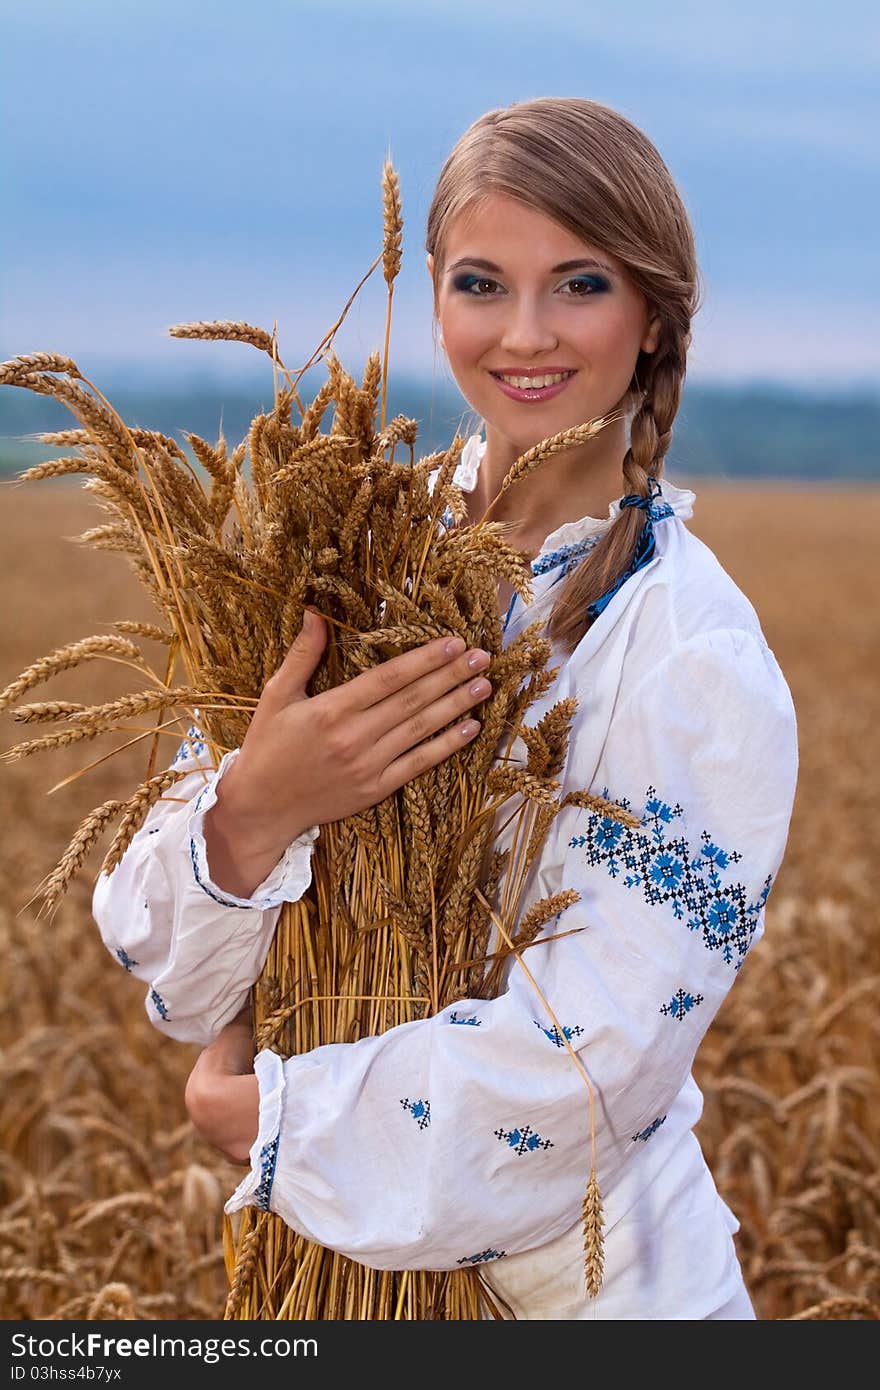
x=169 y=161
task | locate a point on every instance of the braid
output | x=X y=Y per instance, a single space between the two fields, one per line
x=651 y=429
x=650 y=437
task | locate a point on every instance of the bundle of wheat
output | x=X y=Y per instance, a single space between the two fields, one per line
x=402 y=917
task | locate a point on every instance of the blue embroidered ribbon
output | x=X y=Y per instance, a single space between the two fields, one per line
x=646 y=546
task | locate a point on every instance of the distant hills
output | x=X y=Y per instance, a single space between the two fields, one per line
x=726 y=432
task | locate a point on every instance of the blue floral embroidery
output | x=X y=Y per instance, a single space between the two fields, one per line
x=420 y=1111
x=565 y=558
x=651 y=1129
x=658 y=510
x=646 y=545
x=466 y=1018
x=566 y=555
x=680 y=1004
x=159 y=1004
x=523 y=1140
x=669 y=871
x=185 y=749
x=554 y=1034
x=124 y=958
x=268 y=1157
x=482 y=1257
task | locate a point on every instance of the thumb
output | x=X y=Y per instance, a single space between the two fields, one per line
x=302 y=657
x=312 y=636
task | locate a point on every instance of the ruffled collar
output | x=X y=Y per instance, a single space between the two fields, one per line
x=571 y=533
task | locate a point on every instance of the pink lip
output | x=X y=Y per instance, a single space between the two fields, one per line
x=532 y=395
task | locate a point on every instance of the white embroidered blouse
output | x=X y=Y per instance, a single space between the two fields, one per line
x=463 y=1139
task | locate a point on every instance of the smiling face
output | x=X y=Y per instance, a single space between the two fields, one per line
x=534 y=310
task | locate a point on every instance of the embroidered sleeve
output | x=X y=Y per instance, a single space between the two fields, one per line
x=285 y=883
x=165 y=921
x=463 y=1137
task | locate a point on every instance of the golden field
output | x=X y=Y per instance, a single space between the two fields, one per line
x=110 y=1205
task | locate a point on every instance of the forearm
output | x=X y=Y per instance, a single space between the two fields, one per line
x=225 y=1111
x=164 y=918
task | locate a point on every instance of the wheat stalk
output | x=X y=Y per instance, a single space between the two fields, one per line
x=18 y=370
x=64 y=659
x=224 y=330
x=134 y=811
x=391 y=255
x=593 y=1241
x=139 y=629
x=47 y=710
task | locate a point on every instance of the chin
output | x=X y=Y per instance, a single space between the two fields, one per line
x=543 y=424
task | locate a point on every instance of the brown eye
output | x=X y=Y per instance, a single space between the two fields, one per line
x=467 y=282
x=588 y=286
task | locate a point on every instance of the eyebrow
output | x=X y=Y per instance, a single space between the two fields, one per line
x=556 y=269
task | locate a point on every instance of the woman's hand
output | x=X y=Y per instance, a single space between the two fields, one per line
x=222 y=1093
x=309 y=760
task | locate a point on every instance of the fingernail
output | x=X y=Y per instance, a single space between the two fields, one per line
x=477 y=659
x=455 y=646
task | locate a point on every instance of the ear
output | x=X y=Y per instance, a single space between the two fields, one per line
x=430 y=264
x=652 y=335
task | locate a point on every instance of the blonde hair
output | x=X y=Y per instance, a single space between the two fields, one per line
x=594 y=172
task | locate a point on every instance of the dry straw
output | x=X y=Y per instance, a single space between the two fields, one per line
x=331 y=520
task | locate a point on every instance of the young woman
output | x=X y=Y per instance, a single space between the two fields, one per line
x=564 y=281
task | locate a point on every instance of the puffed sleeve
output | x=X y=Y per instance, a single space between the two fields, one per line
x=165 y=921
x=449 y=1140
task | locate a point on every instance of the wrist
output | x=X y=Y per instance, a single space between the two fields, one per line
x=242 y=827
x=238 y=843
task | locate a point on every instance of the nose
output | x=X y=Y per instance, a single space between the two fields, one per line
x=528 y=330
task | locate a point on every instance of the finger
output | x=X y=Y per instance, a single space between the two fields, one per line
x=372 y=686
x=405 y=705
x=289 y=681
x=408 y=730
x=427 y=755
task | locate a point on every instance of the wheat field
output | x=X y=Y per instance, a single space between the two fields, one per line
x=110 y=1205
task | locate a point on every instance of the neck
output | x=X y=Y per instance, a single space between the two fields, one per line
x=582 y=481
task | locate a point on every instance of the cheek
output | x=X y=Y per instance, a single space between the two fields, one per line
x=466 y=336
x=604 y=332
